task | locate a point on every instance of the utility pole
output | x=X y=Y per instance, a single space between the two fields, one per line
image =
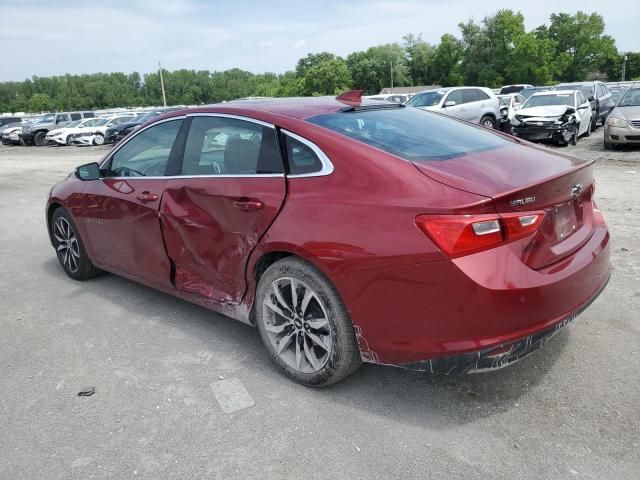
x=624 y=67
x=164 y=98
x=391 y=77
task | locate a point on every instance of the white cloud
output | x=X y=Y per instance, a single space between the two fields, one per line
x=300 y=43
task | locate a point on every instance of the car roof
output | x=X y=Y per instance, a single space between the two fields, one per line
x=297 y=107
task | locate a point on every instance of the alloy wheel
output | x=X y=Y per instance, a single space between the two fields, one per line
x=98 y=140
x=67 y=247
x=297 y=325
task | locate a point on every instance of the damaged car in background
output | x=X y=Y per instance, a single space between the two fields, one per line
x=560 y=116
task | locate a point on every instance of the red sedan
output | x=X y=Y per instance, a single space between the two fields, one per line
x=346 y=231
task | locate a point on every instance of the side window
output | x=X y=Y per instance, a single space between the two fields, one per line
x=88 y=115
x=469 y=95
x=146 y=154
x=62 y=118
x=455 y=96
x=76 y=116
x=230 y=146
x=519 y=99
x=302 y=159
x=581 y=98
x=480 y=95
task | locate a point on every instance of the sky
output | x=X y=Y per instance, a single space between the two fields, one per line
x=54 y=37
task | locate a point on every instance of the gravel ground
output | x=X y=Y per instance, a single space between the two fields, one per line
x=567 y=411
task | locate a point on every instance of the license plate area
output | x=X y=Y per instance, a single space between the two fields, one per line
x=565 y=220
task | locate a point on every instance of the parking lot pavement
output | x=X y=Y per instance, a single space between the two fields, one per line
x=158 y=366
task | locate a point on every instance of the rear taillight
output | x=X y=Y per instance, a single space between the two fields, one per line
x=463 y=234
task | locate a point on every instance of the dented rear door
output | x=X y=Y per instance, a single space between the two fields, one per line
x=230 y=190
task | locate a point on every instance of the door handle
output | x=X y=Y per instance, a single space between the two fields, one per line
x=147 y=197
x=248 y=204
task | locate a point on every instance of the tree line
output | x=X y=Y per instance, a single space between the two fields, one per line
x=495 y=51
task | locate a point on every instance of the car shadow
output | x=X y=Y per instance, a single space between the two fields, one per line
x=403 y=395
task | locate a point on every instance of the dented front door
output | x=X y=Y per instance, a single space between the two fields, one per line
x=211 y=225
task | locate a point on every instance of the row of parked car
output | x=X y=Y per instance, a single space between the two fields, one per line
x=562 y=113
x=73 y=128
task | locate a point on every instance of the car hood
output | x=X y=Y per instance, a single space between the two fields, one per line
x=630 y=113
x=11 y=130
x=58 y=131
x=547 y=111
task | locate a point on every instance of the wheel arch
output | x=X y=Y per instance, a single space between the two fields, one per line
x=53 y=206
x=263 y=259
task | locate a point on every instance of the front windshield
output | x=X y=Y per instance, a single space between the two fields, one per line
x=631 y=98
x=546 y=100
x=47 y=118
x=75 y=123
x=411 y=133
x=586 y=89
x=426 y=99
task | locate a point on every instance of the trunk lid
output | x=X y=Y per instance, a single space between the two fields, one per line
x=523 y=178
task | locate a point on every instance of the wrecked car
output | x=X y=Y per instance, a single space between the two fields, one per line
x=561 y=116
x=345 y=230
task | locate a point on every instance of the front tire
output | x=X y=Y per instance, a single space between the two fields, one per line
x=70 y=250
x=39 y=139
x=98 y=139
x=488 y=122
x=304 y=324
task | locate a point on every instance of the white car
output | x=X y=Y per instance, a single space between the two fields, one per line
x=389 y=97
x=473 y=104
x=558 y=115
x=513 y=102
x=97 y=126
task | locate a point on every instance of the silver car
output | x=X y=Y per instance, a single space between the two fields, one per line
x=474 y=104
x=622 y=126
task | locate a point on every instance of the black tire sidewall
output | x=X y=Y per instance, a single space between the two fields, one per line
x=345 y=356
x=86 y=269
x=38 y=139
x=484 y=119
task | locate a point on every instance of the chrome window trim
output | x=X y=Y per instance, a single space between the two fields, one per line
x=138 y=132
x=176 y=177
x=229 y=115
x=327 y=166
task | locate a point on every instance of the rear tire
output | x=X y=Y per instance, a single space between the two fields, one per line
x=308 y=335
x=488 y=122
x=69 y=247
x=39 y=139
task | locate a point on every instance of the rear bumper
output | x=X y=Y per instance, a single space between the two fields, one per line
x=495 y=358
x=471 y=305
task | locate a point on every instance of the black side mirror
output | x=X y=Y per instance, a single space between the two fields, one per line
x=570 y=111
x=90 y=171
x=591 y=98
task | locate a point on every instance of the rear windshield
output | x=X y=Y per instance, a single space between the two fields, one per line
x=411 y=133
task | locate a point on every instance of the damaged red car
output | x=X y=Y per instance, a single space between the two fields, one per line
x=346 y=231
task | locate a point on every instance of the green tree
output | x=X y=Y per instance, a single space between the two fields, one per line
x=581 y=45
x=419 y=59
x=327 y=77
x=446 y=62
x=371 y=70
